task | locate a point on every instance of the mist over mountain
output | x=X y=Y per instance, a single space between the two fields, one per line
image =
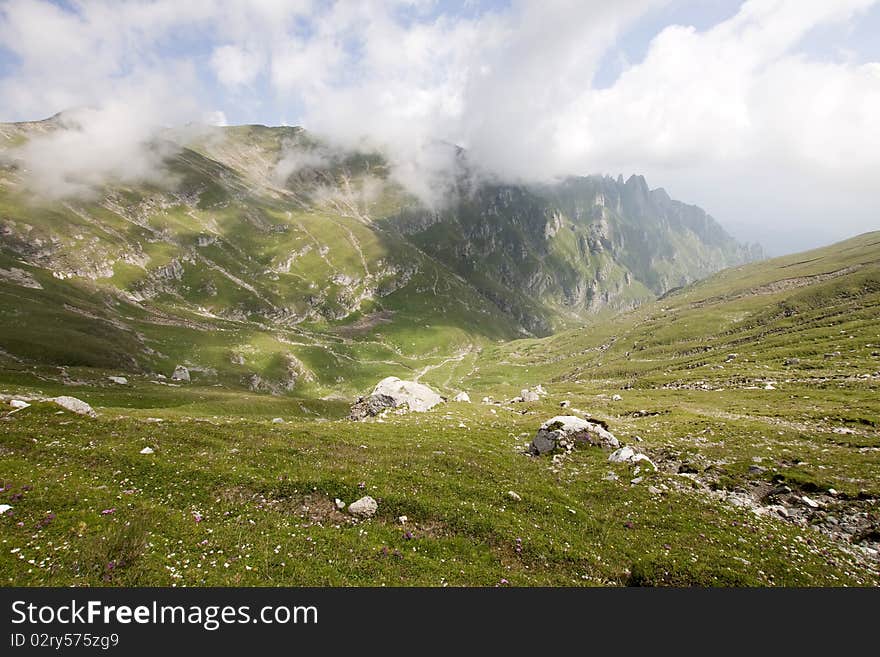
x=275 y=226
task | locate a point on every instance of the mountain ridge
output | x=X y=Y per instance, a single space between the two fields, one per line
x=273 y=232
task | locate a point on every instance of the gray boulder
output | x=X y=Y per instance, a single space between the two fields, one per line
x=180 y=374
x=568 y=431
x=74 y=405
x=392 y=392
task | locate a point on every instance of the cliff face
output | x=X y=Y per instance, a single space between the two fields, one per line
x=552 y=254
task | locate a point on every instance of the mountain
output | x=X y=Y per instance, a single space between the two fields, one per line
x=264 y=257
x=750 y=400
x=552 y=255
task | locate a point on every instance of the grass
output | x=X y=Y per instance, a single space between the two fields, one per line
x=264 y=493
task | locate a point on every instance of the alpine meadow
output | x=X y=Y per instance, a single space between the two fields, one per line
x=376 y=348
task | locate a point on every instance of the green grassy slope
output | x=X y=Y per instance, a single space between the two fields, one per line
x=742 y=436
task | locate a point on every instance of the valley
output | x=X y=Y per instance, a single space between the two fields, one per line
x=186 y=368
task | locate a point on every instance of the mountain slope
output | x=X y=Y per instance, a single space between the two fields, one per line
x=263 y=257
x=553 y=255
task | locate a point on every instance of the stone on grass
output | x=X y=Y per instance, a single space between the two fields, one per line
x=628 y=455
x=74 y=405
x=339 y=504
x=392 y=392
x=120 y=380
x=514 y=496
x=180 y=373
x=529 y=396
x=4 y=508
x=147 y=450
x=566 y=431
x=564 y=403
x=364 y=507
x=462 y=397
x=19 y=404
x=277 y=420
x=616 y=398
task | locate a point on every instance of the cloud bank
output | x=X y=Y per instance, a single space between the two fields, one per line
x=777 y=139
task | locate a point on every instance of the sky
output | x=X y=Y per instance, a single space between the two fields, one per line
x=763 y=112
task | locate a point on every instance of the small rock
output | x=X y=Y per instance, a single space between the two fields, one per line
x=180 y=373
x=791 y=361
x=610 y=476
x=487 y=400
x=616 y=398
x=18 y=403
x=339 y=504
x=529 y=396
x=810 y=502
x=756 y=469
x=147 y=450
x=622 y=454
x=365 y=507
x=4 y=508
x=628 y=455
x=277 y=420
x=769 y=386
x=831 y=491
x=565 y=403
x=462 y=397
x=730 y=357
x=74 y=405
x=654 y=490
x=402 y=520
x=637 y=480
x=121 y=380
x=514 y=496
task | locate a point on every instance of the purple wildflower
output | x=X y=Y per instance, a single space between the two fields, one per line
x=107 y=512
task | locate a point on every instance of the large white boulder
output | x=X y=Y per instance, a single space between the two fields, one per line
x=74 y=405
x=417 y=396
x=18 y=404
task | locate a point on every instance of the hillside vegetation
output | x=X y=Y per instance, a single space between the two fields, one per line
x=754 y=393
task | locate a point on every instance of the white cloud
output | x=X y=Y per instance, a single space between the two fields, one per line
x=235 y=66
x=736 y=117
